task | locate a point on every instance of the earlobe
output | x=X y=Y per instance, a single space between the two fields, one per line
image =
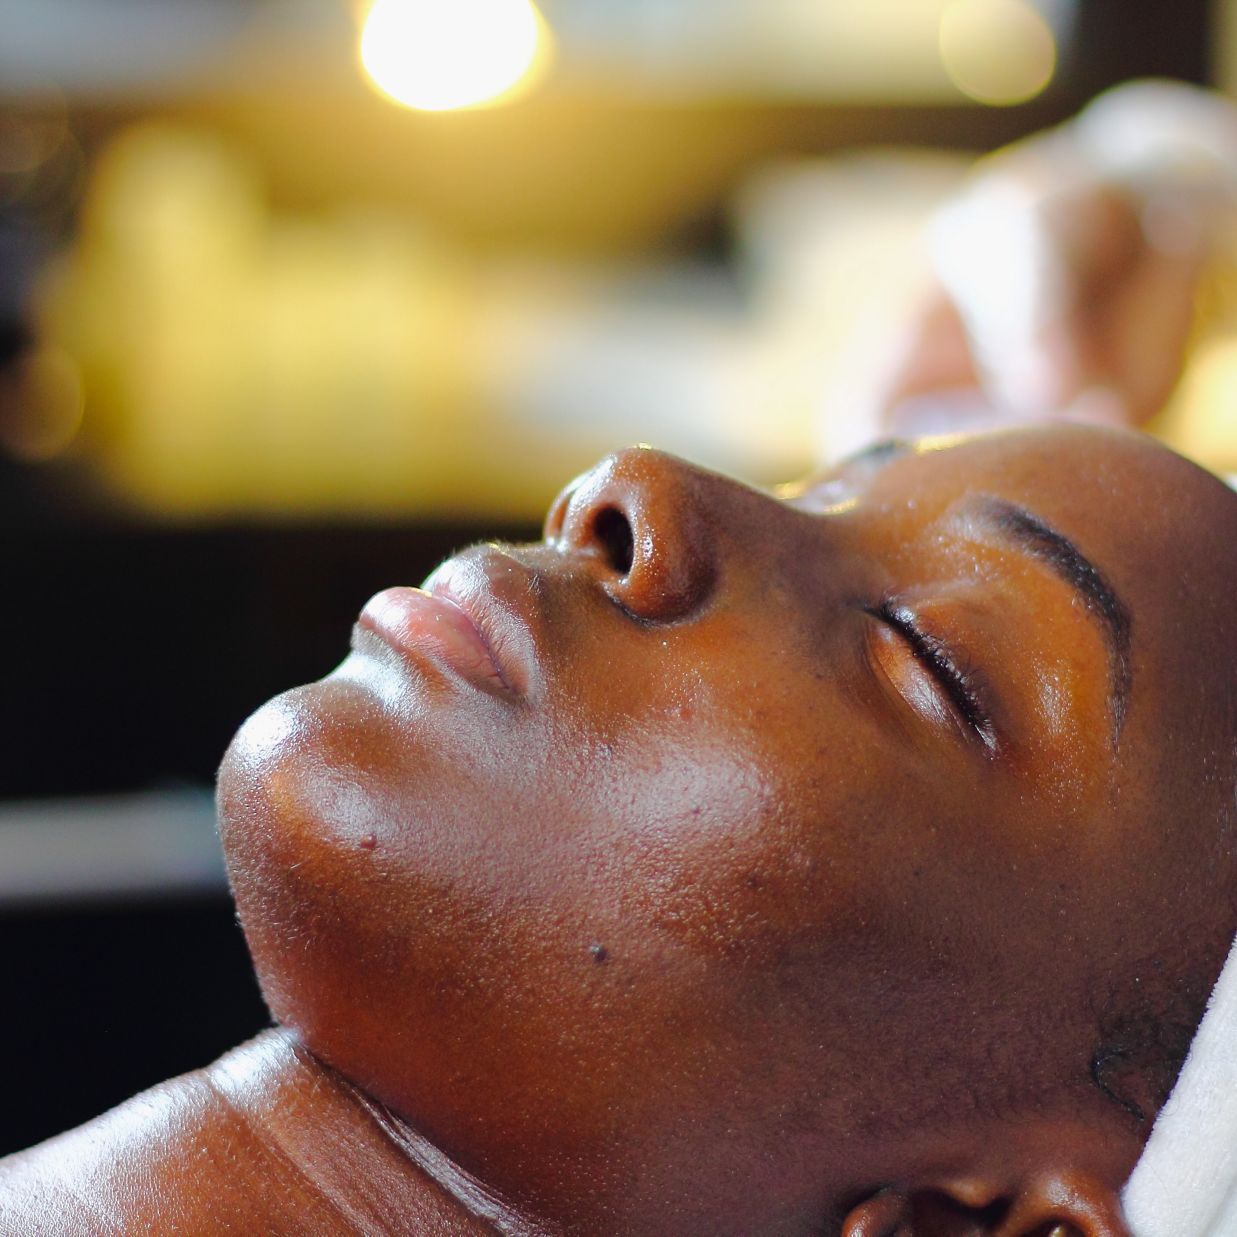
x=883 y=1215
x=1059 y=1204
x=1077 y=1204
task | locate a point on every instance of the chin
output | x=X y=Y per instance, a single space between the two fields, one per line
x=342 y=819
x=299 y=831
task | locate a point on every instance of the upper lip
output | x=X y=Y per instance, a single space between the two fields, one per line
x=493 y=591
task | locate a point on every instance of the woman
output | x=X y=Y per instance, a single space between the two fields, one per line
x=852 y=860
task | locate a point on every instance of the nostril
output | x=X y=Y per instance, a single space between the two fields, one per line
x=613 y=532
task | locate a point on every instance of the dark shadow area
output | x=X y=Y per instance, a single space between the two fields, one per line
x=107 y=1001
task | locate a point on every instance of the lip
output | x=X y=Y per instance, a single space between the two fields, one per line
x=465 y=616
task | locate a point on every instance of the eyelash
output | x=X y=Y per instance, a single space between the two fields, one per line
x=959 y=682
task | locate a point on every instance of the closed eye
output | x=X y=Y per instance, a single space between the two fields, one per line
x=946 y=669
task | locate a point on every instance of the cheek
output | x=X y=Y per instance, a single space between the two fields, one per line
x=751 y=823
x=683 y=841
x=298 y=836
x=437 y=896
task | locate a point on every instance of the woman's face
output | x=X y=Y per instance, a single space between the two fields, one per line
x=722 y=821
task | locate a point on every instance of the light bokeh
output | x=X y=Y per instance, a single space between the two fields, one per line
x=998 y=52
x=441 y=55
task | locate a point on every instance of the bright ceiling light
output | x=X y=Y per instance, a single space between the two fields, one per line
x=436 y=55
x=998 y=52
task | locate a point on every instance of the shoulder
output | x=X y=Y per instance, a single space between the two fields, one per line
x=184 y=1157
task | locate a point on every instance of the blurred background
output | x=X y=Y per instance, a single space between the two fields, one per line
x=297 y=296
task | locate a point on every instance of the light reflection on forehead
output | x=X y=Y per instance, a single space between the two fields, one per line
x=838 y=489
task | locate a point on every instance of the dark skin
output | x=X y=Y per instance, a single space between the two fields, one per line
x=797 y=864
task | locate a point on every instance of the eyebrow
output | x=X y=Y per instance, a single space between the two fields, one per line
x=1099 y=597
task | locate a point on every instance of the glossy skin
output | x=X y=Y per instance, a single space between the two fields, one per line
x=706 y=904
x=265 y=1140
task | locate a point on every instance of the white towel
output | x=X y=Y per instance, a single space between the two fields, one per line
x=1185 y=1184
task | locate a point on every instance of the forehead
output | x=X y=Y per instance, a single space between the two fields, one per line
x=1072 y=464
x=1120 y=493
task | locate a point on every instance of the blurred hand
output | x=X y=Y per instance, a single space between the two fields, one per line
x=1066 y=274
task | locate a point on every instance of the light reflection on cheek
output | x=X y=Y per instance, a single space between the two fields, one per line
x=697 y=836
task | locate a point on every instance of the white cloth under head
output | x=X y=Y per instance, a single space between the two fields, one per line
x=1185 y=1184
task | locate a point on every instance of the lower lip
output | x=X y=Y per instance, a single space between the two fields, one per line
x=420 y=624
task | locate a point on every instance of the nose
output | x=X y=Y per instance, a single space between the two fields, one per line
x=642 y=521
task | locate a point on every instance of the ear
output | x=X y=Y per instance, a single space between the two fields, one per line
x=1075 y=1203
x=1062 y=1204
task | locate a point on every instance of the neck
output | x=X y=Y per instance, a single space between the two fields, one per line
x=349 y=1150
x=370 y=1165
